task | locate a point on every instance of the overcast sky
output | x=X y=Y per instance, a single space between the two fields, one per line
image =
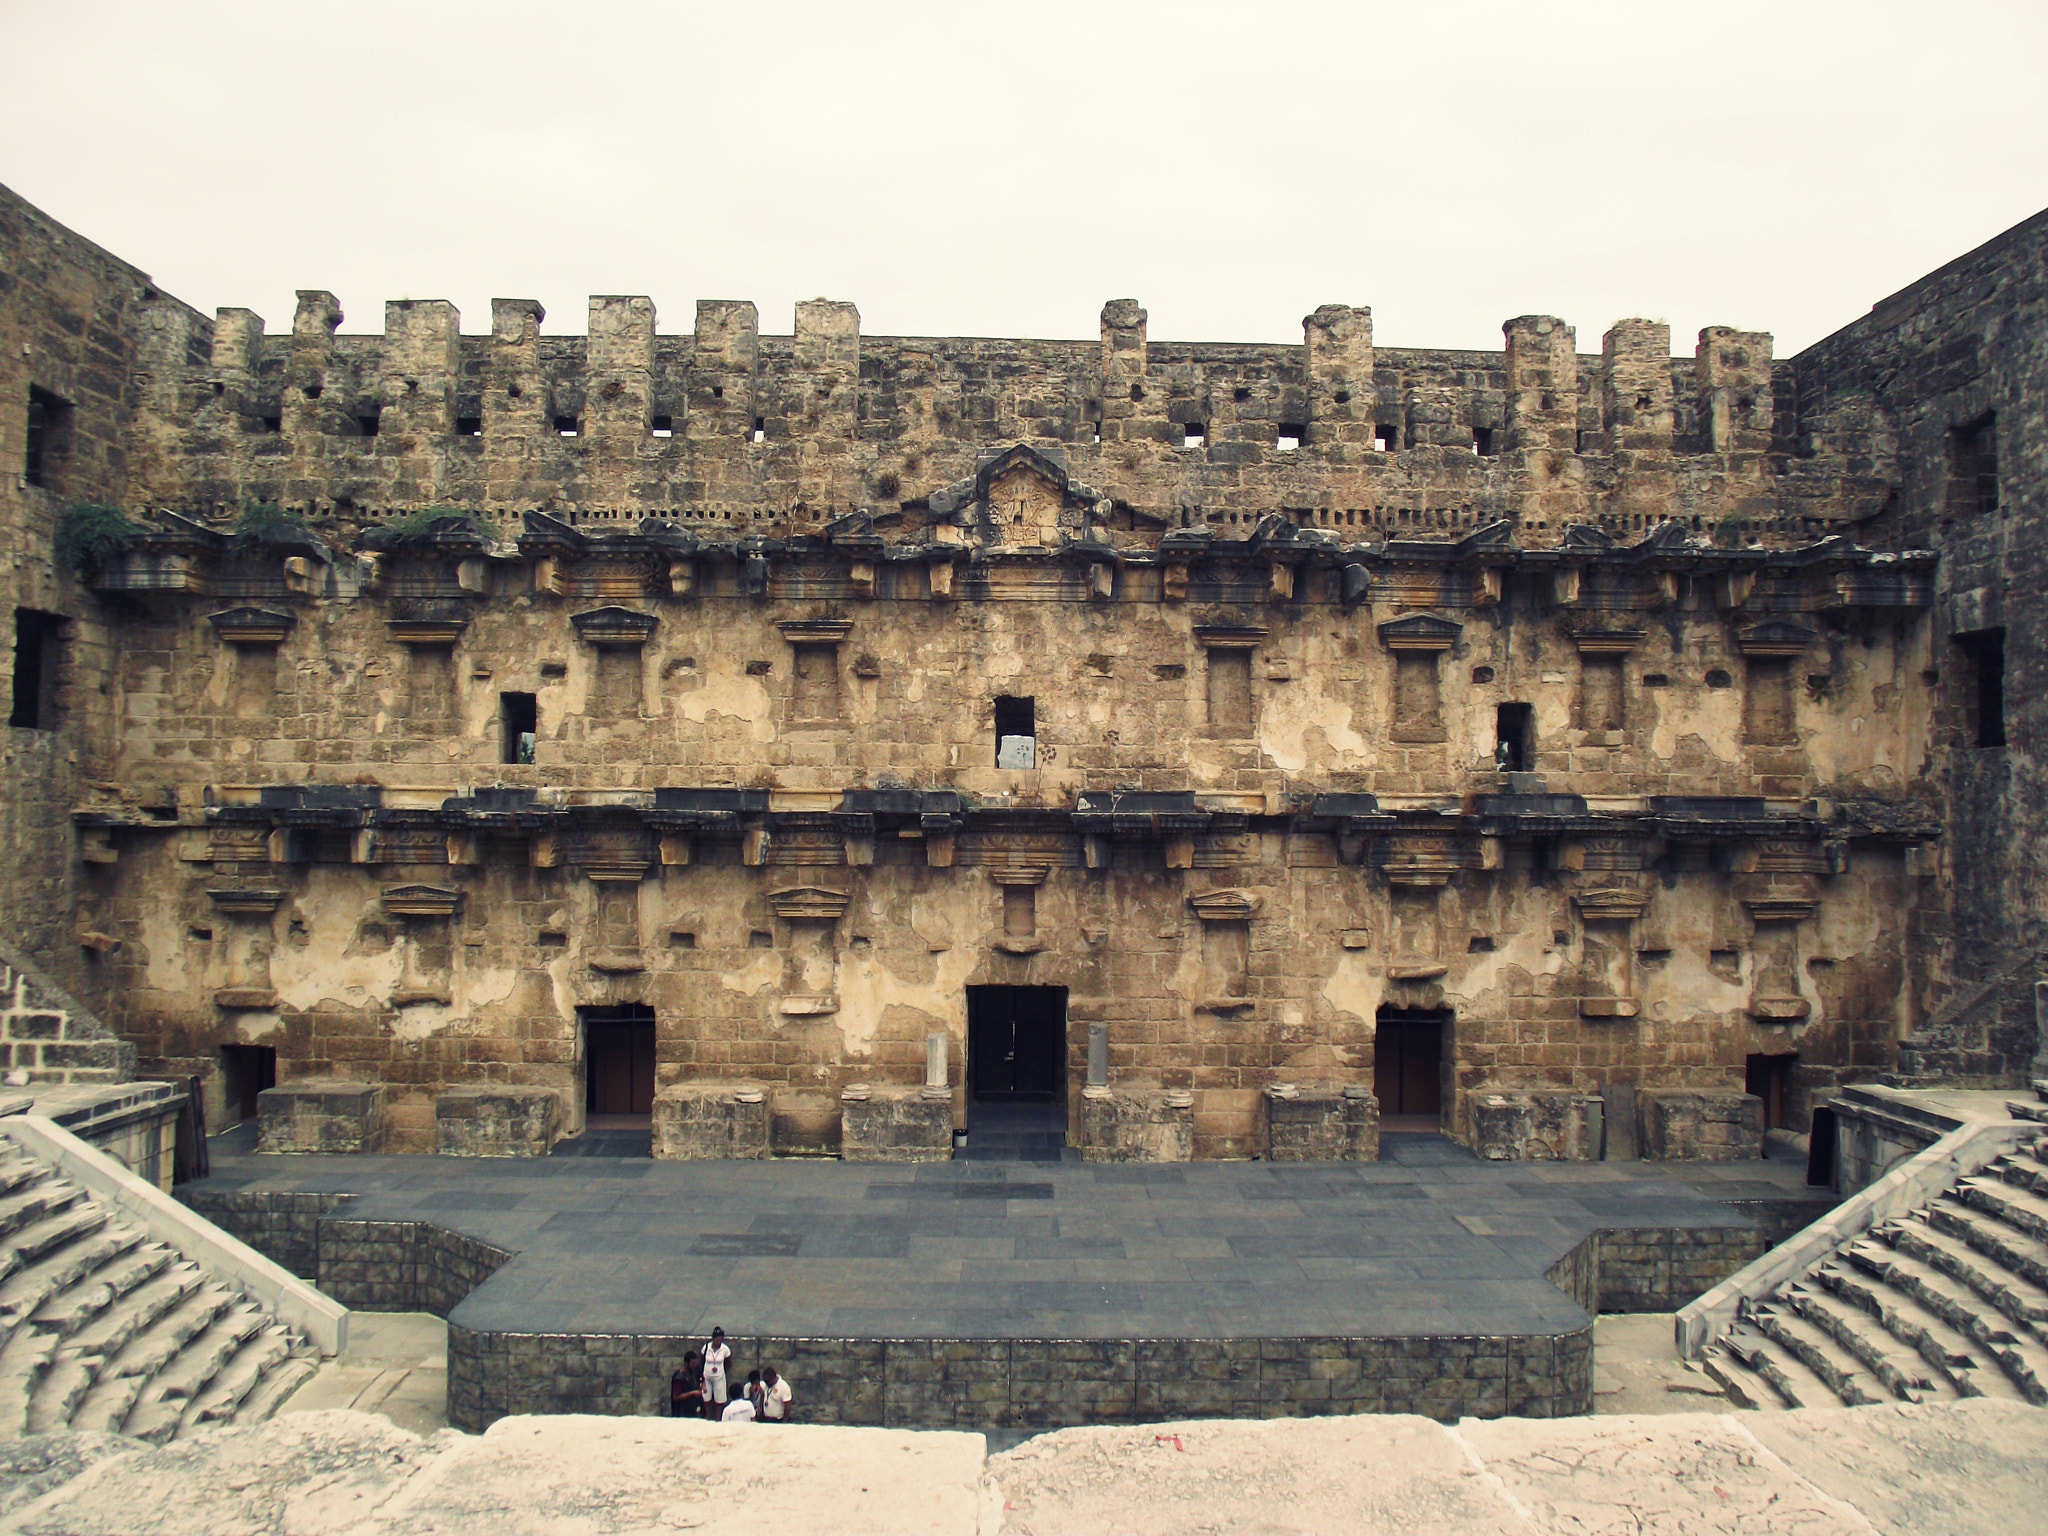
x=964 y=169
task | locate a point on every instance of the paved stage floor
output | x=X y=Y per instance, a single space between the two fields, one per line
x=1430 y=1240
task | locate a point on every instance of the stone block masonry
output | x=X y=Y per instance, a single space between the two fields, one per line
x=321 y=1116
x=496 y=1122
x=1535 y=724
x=714 y=1120
x=896 y=1125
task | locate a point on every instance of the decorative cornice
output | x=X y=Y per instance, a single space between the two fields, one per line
x=1774 y=639
x=1618 y=905
x=1230 y=636
x=425 y=631
x=1607 y=642
x=1780 y=909
x=246 y=901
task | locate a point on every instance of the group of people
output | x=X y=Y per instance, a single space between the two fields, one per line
x=699 y=1389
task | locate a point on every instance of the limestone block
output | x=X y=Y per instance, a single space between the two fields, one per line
x=1137 y=1126
x=1708 y=1124
x=896 y=1125
x=1326 y=1124
x=496 y=1122
x=321 y=1115
x=1537 y=1127
x=694 y=1121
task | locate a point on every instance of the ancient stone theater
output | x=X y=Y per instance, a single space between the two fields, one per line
x=455 y=740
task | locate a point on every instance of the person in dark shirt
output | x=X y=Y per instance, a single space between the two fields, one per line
x=686 y=1388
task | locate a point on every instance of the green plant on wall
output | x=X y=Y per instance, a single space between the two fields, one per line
x=414 y=527
x=89 y=535
x=265 y=522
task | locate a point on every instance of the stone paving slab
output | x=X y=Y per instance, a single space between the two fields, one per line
x=1430 y=1240
x=1953 y=1469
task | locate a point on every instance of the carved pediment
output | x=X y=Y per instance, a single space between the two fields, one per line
x=1775 y=638
x=808 y=903
x=614 y=626
x=1612 y=905
x=1227 y=906
x=251 y=626
x=1420 y=632
x=1019 y=495
x=421 y=900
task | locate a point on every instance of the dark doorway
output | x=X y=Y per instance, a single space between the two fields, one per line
x=1770 y=1079
x=1514 y=732
x=618 y=1060
x=1016 y=1041
x=245 y=1071
x=1407 y=1067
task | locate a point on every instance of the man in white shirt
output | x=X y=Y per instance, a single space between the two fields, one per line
x=775 y=1397
x=739 y=1411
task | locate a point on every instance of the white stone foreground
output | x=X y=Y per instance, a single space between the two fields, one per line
x=1953 y=1469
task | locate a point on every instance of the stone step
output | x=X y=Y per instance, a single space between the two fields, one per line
x=276 y=1389
x=110 y=1332
x=2018 y=1208
x=2023 y=1360
x=1955 y=1357
x=161 y=1408
x=18 y=1169
x=1744 y=1387
x=1795 y=1385
x=2023 y=1171
x=1959 y=1244
x=86 y=1298
x=265 y=1350
x=108 y=1404
x=32 y=1202
x=1897 y=1367
x=71 y=1374
x=155 y=1346
x=1816 y=1349
x=2027 y=1109
x=22 y=1363
x=93 y=1244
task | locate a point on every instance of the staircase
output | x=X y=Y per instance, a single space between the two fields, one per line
x=102 y=1328
x=1949 y=1300
x=1002 y=1131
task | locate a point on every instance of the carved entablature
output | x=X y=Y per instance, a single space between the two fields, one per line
x=246 y=901
x=815 y=631
x=1230 y=636
x=1612 y=904
x=1420 y=632
x=251 y=626
x=1422 y=862
x=428 y=624
x=1607 y=642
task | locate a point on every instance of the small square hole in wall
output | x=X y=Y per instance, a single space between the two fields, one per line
x=368 y=424
x=553 y=938
x=760 y=939
x=1482 y=441
x=469 y=426
x=273 y=424
x=1656 y=680
x=1192 y=435
x=1385 y=437
x=1240 y=395
x=682 y=938
x=760 y=429
x=200 y=935
x=1720 y=679
x=662 y=426
x=1482 y=944
x=1289 y=436
x=566 y=426
x=312 y=391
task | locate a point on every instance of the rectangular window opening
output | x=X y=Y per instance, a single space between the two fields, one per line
x=1290 y=436
x=245 y=1071
x=1386 y=437
x=519 y=715
x=1482 y=441
x=273 y=424
x=662 y=426
x=49 y=437
x=369 y=423
x=469 y=426
x=1973 y=467
x=760 y=429
x=1016 y=732
x=1986 y=705
x=1514 y=734
x=38 y=645
x=566 y=426
x=1770 y=1078
x=1192 y=435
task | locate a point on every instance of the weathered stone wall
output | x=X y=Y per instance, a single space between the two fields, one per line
x=1550 y=689
x=48 y=1037
x=79 y=332
x=1942 y=371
